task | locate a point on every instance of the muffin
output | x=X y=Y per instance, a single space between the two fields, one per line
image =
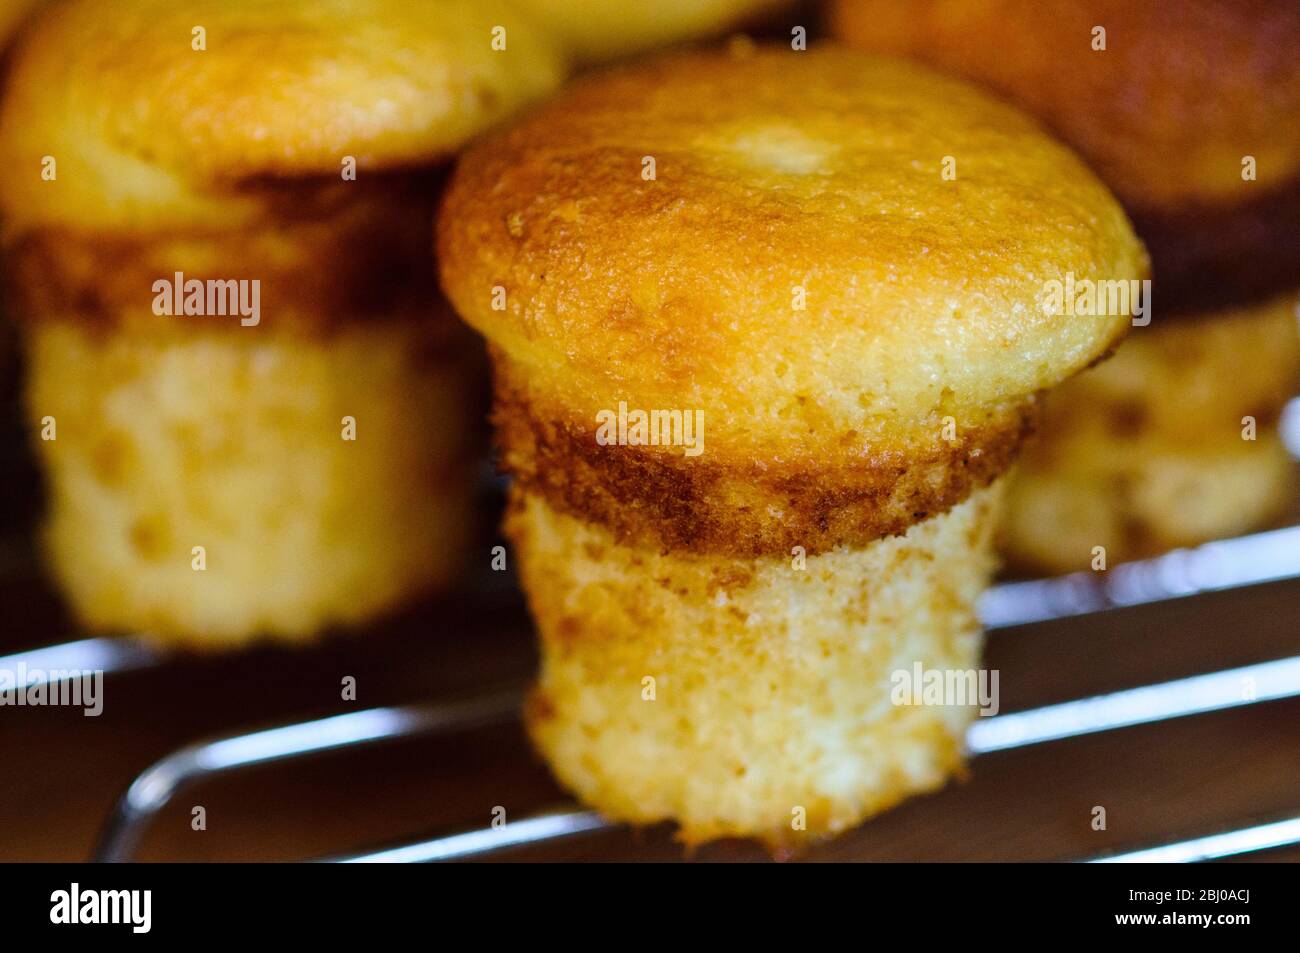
x=1191 y=113
x=254 y=410
x=760 y=366
x=1171 y=442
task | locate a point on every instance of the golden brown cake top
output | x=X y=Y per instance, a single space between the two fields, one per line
x=774 y=237
x=1181 y=92
x=154 y=111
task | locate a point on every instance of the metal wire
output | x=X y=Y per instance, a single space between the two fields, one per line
x=154 y=787
x=539 y=828
x=560 y=825
x=1212 y=567
x=1232 y=688
x=1245 y=840
x=65 y=660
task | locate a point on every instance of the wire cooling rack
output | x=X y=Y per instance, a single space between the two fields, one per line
x=1222 y=565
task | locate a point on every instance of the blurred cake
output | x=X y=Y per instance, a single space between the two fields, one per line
x=1190 y=111
x=254 y=411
